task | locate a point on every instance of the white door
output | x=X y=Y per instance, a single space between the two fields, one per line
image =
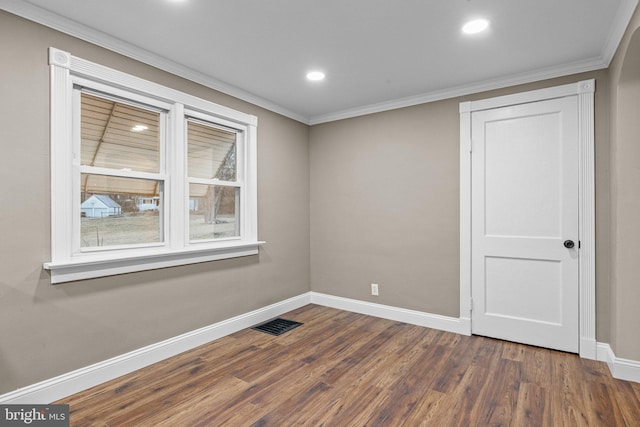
x=524 y=206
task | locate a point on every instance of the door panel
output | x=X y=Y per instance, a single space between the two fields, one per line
x=524 y=289
x=524 y=206
x=521 y=175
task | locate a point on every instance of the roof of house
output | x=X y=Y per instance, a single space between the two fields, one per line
x=106 y=200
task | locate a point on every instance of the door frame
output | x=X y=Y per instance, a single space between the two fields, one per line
x=584 y=90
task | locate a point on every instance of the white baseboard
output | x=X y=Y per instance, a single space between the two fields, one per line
x=73 y=382
x=622 y=369
x=435 y=321
x=67 y=384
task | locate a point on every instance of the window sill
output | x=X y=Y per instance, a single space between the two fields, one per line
x=88 y=269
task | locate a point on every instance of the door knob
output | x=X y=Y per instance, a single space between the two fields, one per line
x=569 y=244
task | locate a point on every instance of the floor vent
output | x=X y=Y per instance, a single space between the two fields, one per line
x=277 y=326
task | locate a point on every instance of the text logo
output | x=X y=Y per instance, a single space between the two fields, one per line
x=34 y=415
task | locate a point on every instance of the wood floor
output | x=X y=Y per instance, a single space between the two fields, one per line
x=347 y=369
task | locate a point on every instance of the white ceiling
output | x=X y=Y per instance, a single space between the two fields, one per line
x=377 y=54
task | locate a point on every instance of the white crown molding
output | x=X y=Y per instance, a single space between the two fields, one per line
x=620 y=23
x=57 y=22
x=460 y=91
x=75 y=29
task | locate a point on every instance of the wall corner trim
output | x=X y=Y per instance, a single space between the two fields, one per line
x=622 y=369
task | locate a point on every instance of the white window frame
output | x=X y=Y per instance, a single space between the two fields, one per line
x=241 y=166
x=86 y=86
x=68 y=263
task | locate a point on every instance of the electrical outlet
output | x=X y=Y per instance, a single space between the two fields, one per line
x=374 y=289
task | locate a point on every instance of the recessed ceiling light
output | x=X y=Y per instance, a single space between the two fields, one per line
x=139 y=128
x=315 y=76
x=475 y=26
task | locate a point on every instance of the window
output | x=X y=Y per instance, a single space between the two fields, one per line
x=143 y=176
x=213 y=187
x=121 y=171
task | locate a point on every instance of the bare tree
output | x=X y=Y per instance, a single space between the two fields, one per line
x=213 y=199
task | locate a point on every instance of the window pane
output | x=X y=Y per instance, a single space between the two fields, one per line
x=119 y=211
x=211 y=152
x=213 y=212
x=118 y=136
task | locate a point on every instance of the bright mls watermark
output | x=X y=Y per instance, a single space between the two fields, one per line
x=34 y=415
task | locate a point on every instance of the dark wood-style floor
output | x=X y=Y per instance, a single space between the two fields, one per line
x=347 y=369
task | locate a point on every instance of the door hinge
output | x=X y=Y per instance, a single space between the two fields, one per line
x=471 y=304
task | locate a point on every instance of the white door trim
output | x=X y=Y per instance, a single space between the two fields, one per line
x=584 y=90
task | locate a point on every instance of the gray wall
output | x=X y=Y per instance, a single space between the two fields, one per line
x=625 y=194
x=50 y=330
x=384 y=207
x=385 y=204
